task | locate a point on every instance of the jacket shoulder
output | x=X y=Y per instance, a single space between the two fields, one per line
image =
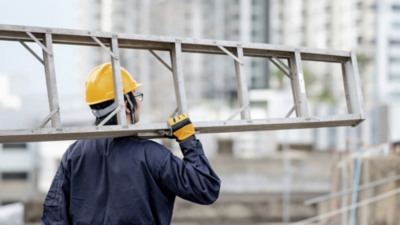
x=152 y=147
x=86 y=146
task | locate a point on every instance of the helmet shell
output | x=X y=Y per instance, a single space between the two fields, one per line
x=100 y=84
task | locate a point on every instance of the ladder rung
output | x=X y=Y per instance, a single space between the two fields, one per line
x=117 y=79
x=51 y=83
x=176 y=61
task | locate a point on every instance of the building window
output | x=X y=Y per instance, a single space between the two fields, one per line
x=225 y=146
x=8 y=202
x=328 y=42
x=395 y=95
x=394 y=59
x=281 y=16
x=253 y=64
x=13 y=146
x=359 y=40
x=328 y=9
x=359 y=5
x=396 y=7
x=304 y=13
x=396 y=24
x=395 y=42
x=328 y=26
x=8 y=176
x=394 y=77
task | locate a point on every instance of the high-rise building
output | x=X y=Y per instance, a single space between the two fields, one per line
x=368 y=27
x=18 y=172
x=206 y=76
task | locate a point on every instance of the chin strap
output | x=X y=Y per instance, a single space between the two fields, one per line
x=102 y=112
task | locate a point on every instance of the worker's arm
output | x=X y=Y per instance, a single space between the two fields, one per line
x=192 y=178
x=56 y=204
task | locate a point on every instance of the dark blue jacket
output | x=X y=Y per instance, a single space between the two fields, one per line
x=127 y=181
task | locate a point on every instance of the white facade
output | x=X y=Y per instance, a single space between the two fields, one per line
x=368 y=27
x=18 y=172
x=205 y=75
x=388 y=50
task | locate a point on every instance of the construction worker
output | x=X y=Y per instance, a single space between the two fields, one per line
x=127 y=180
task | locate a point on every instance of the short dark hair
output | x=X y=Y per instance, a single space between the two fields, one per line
x=113 y=120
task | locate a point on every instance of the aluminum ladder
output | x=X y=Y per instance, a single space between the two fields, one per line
x=112 y=42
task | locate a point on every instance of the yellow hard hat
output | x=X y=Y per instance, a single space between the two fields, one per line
x=100 y=84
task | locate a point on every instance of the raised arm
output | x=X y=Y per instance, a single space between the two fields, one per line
x=192 y=178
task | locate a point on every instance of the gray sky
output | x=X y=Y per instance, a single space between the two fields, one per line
x=25 y=72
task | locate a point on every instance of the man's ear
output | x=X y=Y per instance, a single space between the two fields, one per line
x=127 y=111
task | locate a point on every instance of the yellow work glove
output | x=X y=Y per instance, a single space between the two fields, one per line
x=181 y=128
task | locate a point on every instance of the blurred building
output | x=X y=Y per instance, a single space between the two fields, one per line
x=210 y=77
x=368 y=27
x=210 y=80
x=18 y=170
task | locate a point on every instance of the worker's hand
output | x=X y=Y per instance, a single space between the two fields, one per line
x=181 y=128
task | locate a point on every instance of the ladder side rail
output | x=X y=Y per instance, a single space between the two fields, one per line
x=117 y=79
x=298 y=86
x=71 y=36
x=73 y=133
x=51 y=83
x=352 y=87
x=179 y=85
x=241 y=81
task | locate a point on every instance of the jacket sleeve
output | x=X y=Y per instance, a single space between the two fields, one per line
x=56 y=204
x=192 y=178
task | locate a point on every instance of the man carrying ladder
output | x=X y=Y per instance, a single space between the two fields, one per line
x=127 y=180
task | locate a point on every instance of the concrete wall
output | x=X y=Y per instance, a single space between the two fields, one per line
x=309 y=172
x=385 y=211
x=243 y=209
x=380 y=212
